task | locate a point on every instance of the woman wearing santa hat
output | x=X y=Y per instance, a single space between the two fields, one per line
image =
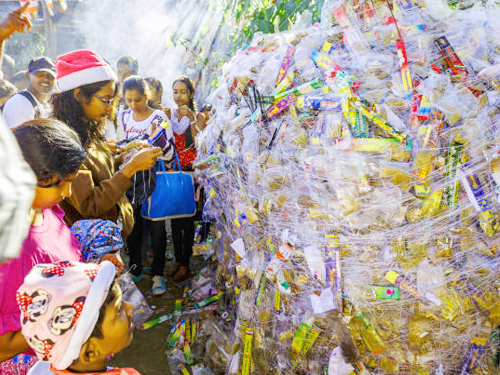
x=88 y=87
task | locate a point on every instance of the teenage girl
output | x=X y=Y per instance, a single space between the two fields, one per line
x=139 y=122
x=88 y=87
x=54 y=152
x=186 y=126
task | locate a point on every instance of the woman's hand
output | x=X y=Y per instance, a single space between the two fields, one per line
x=201 y=121
x=142 y=161
x=184 y=110
x=201 y=166
x=116 y=259
x=167 y=111
x=113 y=146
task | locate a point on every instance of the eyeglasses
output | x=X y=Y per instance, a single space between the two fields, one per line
x=104 y=100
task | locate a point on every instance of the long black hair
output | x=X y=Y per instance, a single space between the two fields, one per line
x=69 y=110
x=51 y=148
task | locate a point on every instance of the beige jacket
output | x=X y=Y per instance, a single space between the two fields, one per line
x=99 y=193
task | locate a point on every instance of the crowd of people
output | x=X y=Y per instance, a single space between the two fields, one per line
x=61 y=310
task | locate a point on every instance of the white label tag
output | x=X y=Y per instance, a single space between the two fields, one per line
x=324 y=302
x=239 y=247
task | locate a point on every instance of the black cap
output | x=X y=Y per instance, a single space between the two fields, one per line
x=42 y=64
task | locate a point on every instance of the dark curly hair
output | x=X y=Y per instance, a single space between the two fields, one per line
x=69 y=110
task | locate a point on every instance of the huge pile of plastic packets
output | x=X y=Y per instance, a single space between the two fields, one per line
x=352 y=169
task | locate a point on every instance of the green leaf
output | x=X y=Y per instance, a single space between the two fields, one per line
x=320 y=5
x=290 y=8
x=270 y=12
x=304 y=5
x=23 y=46
x=284 y=25
x=265 y=26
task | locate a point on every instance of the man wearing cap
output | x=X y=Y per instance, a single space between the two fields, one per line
x=32 y=103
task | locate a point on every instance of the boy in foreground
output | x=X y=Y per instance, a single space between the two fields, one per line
x=74 y=317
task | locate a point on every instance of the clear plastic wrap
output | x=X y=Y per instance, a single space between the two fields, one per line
x=133 y=295
x=357 y=227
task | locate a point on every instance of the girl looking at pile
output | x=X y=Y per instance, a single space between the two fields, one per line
x=88 y=87
x=139 y=122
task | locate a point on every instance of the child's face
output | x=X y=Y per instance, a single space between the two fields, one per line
x=52 y=192
x=155 y=94
x=117 y=327
x=182 y=96
x=136 y=101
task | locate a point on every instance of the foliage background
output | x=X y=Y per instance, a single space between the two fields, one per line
x=24 y=46
x=241 y=20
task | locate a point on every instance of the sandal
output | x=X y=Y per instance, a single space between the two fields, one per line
x=175 y=269
x=182 y=274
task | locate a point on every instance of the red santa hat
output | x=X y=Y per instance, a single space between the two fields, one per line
x=82 y=67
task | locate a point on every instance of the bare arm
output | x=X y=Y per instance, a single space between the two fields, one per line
x=201 y=121
x=12 y=344
x=15 y=21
